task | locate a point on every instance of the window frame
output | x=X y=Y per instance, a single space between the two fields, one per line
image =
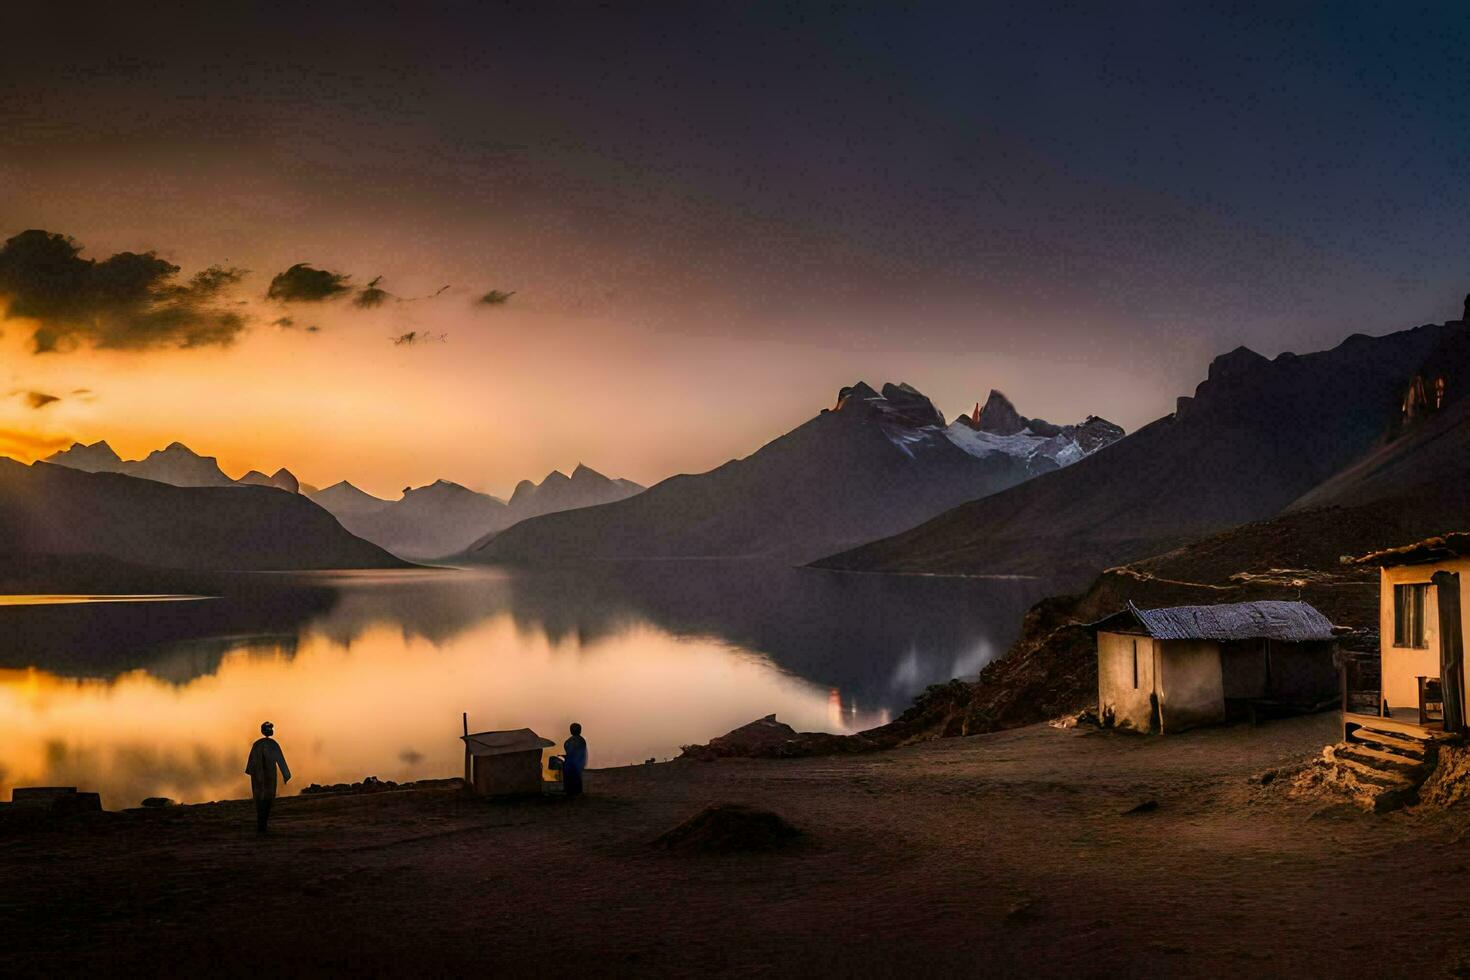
x=1406 y=630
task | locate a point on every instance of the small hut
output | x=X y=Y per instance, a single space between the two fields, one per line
x=1165 y=670
x=504 y=763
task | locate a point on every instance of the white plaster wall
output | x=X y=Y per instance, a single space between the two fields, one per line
x=1130 y=706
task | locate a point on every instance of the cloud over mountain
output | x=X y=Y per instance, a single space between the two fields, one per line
x=303 y=284
x=128 y=301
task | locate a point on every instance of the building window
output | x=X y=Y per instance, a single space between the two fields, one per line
x=1135 y=665
x=1408 y=615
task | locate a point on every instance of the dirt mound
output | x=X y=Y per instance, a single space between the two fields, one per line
x=767 y=738
x=1449 y=784
x=727 y=828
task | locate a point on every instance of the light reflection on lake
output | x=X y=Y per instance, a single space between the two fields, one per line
x=367 y=673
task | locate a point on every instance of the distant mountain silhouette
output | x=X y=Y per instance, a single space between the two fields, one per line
x=282 y=479
x=426 y=522
x=444 y=518
x=177 y=465
x=874 y=464
x=1256 y=436
x=584 y=488
x=343 y=497
x=56 y=510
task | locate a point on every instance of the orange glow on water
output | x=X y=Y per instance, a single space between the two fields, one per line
x=387 y=705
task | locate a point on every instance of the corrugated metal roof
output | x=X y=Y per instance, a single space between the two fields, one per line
x=501 y=743
x=1290 y=622
x=1456 y=544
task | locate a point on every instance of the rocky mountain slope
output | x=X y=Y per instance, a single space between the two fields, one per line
x=1256 y=436
x=48 y=510
x=873 y=464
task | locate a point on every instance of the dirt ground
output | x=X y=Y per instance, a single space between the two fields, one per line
x=999 y=854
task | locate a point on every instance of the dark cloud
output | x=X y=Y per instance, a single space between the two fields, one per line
x=130 y=301
x=371 y=296
x=495 y=298
x=81 y=391
x=39 y=399
x=285 y=322
x=415 y=337
x=303 y=284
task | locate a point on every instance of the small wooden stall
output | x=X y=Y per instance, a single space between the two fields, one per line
x=506 y=763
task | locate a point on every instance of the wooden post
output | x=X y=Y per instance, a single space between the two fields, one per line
x=466 y=719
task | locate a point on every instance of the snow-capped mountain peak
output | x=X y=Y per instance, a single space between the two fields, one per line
x=996 y=427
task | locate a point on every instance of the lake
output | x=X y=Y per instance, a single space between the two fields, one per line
x=367 y=673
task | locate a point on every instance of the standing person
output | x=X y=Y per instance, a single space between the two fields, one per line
x=576 y=761
x=265 y=756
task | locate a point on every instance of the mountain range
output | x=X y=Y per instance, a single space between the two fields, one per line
x=177 y=465
x=1258 y=436
x=427 y=522
x=444 y=518
x=875 y=463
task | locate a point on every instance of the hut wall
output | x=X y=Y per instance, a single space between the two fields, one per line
x=1191 y=684
x=1302 y=673
x=1243 y=668
x=508 y=774
x=1402 y=666
x=1130 y=705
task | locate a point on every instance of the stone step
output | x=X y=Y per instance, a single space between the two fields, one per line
x=1365 y=772
x=1402 y=743
x=1372 y=756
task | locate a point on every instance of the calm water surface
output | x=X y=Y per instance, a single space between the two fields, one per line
x=367 y=673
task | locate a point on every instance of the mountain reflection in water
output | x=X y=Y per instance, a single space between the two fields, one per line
x=366 y=673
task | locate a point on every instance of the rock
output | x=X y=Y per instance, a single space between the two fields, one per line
x=1147 y=806
x=756 y=737
x=854 y=393
x=1000 y=417
x=729 y=828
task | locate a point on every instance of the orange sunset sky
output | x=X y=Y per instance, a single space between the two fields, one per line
x=702 y=250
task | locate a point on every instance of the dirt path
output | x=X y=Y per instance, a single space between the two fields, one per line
x=1003 y=854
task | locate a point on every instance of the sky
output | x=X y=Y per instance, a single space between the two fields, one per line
x=709 y=217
